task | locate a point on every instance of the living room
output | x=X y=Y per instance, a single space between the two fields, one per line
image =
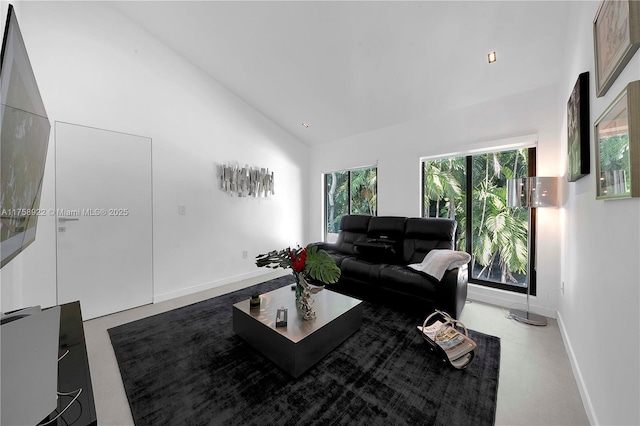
x=98 y=67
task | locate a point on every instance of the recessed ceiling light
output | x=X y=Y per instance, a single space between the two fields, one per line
x=492 y=57
x=305 y=125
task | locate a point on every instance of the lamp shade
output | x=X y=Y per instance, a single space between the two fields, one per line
x=532 y=192
x=517 y=192
x=543 y=191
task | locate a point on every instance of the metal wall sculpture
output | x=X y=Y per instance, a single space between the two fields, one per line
x=246 y=181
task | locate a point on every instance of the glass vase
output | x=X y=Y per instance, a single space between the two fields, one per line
x=304 y=301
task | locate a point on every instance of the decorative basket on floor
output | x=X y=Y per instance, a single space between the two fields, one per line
x=449 y=339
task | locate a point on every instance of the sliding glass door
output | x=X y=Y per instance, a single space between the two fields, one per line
x=472 y=189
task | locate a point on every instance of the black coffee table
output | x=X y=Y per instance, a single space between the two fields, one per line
x=301 y=344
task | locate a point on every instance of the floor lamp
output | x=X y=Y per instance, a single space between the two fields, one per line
x=530 y=193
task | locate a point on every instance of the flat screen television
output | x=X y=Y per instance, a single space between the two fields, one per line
x=24 y=137
x=29 y=339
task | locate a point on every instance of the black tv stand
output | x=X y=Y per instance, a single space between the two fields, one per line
x=73 y=371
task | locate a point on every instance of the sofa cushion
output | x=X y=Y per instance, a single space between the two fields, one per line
x=355 y=223
x=425 y=234
x=353 y=228
x=401 y=278
x=385 y=234
x=380 y=250
x=387 y=227
x=338 y=257
x=361 y=270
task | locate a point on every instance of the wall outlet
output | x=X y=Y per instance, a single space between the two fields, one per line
x=182 y=210
x=245 y=254
x=562 y=288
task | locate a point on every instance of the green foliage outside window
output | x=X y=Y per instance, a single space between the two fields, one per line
x=498 y=233
x=350 y=192
x=337 y=199
x=364 y=194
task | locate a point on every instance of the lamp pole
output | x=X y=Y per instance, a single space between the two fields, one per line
x=531 y=192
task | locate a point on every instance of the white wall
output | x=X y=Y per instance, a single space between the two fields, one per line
x=397 y=151
x=599 y=310
x=95 y=68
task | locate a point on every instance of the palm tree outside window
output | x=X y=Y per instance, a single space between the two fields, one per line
x=472 y=190
x=349 y=192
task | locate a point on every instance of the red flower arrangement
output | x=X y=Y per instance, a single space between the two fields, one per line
x=297 y=261
x=313 y=263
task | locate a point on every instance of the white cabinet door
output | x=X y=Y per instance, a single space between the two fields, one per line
x=103 y=219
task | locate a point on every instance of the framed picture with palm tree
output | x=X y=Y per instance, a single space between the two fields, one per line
x=617 y=139
x=578 y=129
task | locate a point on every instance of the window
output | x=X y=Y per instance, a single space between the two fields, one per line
x=473 y=190
x=349 y=192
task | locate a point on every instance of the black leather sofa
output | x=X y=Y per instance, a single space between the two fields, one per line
x=373 y=253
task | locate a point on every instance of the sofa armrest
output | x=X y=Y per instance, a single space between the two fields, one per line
x=452 y=292
x=324 y=246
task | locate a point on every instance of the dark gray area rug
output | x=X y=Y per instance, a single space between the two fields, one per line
x=187 y=367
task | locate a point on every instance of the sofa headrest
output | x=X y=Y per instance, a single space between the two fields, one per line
x=432 y=229
x=355 y=223
x=391 y=227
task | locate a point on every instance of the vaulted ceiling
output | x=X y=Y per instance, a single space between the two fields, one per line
x=346 y=68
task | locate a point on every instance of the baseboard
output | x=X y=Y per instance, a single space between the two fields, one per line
x=582 y=388
x=237 y=281
x=506 y=299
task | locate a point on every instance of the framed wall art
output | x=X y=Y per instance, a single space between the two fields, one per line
x=617 y=139
x=616 y=37
x=578 y=123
